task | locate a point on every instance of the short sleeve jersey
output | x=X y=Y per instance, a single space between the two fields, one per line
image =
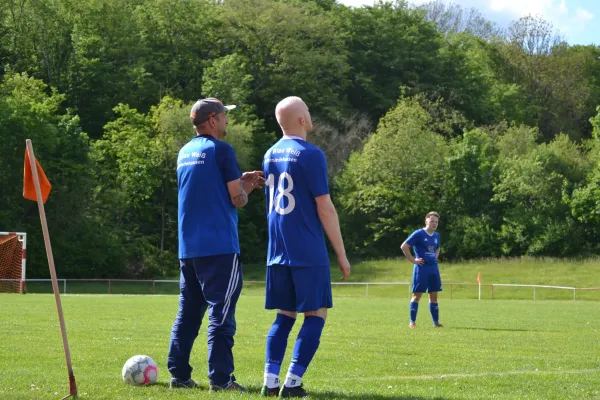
x=425 y=245
x=295 y=173
x=208 y=221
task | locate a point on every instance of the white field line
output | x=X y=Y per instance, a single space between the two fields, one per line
x=476 y=375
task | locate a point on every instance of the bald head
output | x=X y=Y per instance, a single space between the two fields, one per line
x=293 y=116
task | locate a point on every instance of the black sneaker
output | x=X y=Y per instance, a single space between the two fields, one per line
x=296 y=391
x=269 y=392
x=231 y=385
x=178 y=383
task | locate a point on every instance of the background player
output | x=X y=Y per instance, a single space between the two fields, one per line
x=426 y=274
x=298 y=276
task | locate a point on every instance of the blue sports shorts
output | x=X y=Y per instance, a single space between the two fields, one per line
x=426 y=278
x=298 y=289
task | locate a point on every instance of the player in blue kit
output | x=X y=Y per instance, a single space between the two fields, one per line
x=426 y=274
x=211 y=188
x=298 y=277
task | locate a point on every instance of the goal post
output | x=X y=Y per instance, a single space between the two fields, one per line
x=13 y=257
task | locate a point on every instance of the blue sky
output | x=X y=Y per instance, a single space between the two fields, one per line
x=578 y=21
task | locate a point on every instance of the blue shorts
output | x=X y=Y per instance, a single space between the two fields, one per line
x=426 y=278
x=298 y=289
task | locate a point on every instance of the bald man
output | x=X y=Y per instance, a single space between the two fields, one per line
x=298 y=277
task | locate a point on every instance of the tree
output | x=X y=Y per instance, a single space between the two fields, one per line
x=555 y=81
x=227 y=78
x=339 y=139
x=585 y=202
x=281 y=49
x=108 y=63
x=401 y=162
x=585 y=207
x=472 y=173
x=31 y=110
x=535 y=190
x=390 y=46
x=38 y=36
x=181 y=38
x=136 y=193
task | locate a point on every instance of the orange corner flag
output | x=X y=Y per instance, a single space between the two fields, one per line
x=28 y=184
x=479 y=277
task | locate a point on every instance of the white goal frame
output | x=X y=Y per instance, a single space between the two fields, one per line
x=22 y=237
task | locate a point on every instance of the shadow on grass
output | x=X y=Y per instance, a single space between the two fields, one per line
x=329 y=395
x=254 y=391
x=166 y=385
x=356 y=396
x=495 y=329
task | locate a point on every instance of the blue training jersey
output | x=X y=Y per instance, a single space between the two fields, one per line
x=295 y=173
x=208 y=221
x=425 y=245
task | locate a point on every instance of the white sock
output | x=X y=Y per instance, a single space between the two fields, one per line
x=271 y=380
x=292 y=380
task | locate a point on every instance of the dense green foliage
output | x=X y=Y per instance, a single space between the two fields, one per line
x=498 y=131
x=499 y=192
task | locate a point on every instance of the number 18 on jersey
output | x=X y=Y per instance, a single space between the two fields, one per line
x=284 y=187
x=296 y=173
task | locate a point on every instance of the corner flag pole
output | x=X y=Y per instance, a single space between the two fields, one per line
x=63 y=330
x=479 y=282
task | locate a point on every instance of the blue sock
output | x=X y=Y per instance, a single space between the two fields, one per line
x=435 y=312
x=307 y=344
x=414 y=307
x=277 y=340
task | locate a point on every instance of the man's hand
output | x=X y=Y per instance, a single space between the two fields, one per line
x=419 y=261
x=344 y=267
x=253 y=179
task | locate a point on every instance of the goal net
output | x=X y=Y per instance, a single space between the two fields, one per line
x=12 y=262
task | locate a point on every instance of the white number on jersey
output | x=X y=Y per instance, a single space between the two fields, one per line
x=281 y=193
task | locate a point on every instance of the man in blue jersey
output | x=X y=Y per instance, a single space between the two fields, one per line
x=211 y=188
x=298 y=277
x=426 y=274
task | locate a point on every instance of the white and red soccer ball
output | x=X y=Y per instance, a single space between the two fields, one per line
x=140 y=370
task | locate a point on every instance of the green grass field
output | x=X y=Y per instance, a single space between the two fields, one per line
x=525 y=270
x=488 y=350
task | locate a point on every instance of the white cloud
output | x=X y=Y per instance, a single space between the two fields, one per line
x=562 y=8
x=583 y=15
x=555 y=11
x=520 y=7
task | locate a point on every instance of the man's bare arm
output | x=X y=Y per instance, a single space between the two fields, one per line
x=406 y=250
x=237 y=193
x=329 y=219
x=239 y=189
x=331 y=225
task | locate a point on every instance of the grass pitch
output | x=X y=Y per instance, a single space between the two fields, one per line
x=579 y=273
x=510 y=349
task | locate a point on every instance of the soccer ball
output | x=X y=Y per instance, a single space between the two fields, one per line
x=140 y=370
